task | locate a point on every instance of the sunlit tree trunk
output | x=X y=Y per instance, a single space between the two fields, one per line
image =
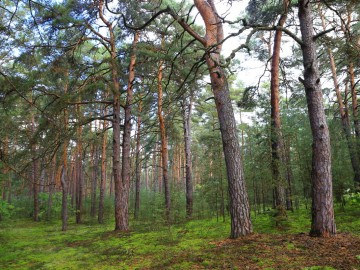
x=276 y=134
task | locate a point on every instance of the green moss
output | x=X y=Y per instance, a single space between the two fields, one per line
x=195 y=244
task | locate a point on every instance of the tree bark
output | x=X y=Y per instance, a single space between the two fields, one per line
x=126 y=161
x=164 y=144
x=79 y=172
x=276 y=134
x=239 y=202
x=138 y=163
x=103 y=173
x=35 y=172
x=94 y=179
x=322 y=223
x=187 y=108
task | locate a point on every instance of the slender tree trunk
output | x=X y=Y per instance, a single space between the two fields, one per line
x=187 y=108
x=120 y=224
x=322 y=223
x=164 y=143
x=64 y=208
x=276 y=134
x=154 y=165
x=239 y=202
x=289 y=176
x=138 y=163
x=103 y=173
x=35 y=189
x=351 y=74
x=51 y=185
x=146 y=175
x=345 y=121
x=79 y=172
x=95 y=164
x=64 y=185
x=35 y=173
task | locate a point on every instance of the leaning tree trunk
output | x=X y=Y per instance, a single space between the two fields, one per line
x=322 y=223
x=276 y=134
x=239 y=202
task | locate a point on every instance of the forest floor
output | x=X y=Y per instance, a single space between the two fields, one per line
x=196 y=244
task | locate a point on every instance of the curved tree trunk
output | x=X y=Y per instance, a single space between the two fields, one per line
x=239 y=202
x=322 y=223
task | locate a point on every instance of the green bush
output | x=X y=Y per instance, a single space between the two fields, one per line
x=352 y=198
x=6 y=210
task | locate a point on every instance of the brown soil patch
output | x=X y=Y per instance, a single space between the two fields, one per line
x=294 y=251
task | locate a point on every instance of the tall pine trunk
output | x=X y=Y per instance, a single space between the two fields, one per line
x=164 y=144
x=277 y=144
x=126 y=161
x=322 y=223
x=239 y=202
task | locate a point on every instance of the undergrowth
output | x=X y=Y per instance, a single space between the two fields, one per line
x=187 y=245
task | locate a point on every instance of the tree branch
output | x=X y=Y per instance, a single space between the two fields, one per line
x=323 y=33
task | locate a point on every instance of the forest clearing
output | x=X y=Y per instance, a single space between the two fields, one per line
x=178 y=134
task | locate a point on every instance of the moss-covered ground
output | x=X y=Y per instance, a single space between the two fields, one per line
x=196 y=244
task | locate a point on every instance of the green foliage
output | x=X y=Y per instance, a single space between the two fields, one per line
x=6 y=210
x=352 y=198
